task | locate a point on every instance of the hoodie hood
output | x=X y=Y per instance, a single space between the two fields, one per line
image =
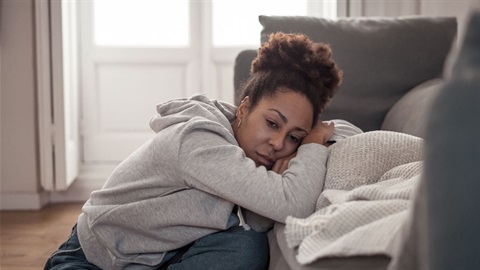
x=184 y=109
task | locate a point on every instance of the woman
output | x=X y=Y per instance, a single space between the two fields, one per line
x=177 y=201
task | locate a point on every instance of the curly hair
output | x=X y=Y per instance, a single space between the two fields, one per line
x=292 y=62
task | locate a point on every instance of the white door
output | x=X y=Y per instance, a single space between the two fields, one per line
x=135 y=54
x=58 y=85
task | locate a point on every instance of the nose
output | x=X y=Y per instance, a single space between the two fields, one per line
x=277 y=141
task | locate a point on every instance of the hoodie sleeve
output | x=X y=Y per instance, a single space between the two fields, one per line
x=212 y=162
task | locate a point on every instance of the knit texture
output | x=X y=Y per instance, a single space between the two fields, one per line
x=360 y=217
x=364 y=158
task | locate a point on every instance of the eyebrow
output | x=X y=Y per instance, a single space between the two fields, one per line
x=285 y=120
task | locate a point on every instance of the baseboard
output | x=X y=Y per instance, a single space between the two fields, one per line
x=23 y=201
x=91 y=178
x=79 y=191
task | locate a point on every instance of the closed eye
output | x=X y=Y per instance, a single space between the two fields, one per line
x=295 y=139
x=272 y=124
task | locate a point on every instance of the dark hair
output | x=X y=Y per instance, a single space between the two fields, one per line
x=292 y=62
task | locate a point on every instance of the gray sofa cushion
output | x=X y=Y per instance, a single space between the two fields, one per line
x=382 y=58
x=241 y=71
x=409 y=114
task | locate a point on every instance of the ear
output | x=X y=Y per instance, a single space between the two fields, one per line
x=243 y=108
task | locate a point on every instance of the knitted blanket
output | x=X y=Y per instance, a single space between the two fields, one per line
x=368 y=186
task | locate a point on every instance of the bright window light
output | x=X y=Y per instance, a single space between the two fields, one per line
x=141 y=23
x=235 y=22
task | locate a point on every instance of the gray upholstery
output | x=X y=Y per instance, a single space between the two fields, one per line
x=444 y=230
x=410 y=113
x=382 y=59
x=241 y=71
x=452 y=171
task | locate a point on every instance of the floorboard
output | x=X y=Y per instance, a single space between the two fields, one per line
x=27 y=238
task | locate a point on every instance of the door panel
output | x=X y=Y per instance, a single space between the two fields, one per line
x=126 y=96
x=127 y=92
x=123 y=79
x=58 y=92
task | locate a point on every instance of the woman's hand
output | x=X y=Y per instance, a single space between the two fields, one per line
x=320 y=133
x=281 y=164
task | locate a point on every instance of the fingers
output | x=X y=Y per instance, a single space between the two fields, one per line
x=320 y=133
x=329 y=128
x=328 y=124
x=281 y=164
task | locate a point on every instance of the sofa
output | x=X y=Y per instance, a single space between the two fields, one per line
x=403 y=75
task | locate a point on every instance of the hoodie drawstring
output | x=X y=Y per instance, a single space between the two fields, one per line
x=245 y=226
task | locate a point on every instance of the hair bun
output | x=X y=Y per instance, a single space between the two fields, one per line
x=298 y=53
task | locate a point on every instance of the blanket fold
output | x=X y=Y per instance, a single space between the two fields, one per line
x=364 y=217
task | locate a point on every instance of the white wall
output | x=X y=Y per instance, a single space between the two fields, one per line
x=459 y=8
x=19 y=182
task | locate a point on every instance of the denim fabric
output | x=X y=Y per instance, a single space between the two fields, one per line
x=69 y=256
x=232 y=249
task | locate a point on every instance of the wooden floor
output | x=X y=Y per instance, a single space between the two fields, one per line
x=27 y=238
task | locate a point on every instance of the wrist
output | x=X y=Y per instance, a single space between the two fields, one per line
x=317 y=140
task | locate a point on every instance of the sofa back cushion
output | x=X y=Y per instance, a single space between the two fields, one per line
x=381 y=58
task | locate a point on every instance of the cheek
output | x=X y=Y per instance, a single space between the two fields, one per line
x=252 y=137
x=253 y=130
x=262 y=135
x=246 y=138
x=241 y=139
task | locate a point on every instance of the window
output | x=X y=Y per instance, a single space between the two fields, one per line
x=235 y=23
x=141 y=23
x=166 y=23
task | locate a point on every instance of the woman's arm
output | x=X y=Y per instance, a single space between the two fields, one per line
x=210 y=162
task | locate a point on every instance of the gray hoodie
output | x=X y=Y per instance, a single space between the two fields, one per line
x=183 y=184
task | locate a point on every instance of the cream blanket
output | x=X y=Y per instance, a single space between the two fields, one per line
x=368 y=186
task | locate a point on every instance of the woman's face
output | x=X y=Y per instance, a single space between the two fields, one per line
x=274 y=128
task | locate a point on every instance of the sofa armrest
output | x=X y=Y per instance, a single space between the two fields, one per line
x=241 y=71
x=410 y=113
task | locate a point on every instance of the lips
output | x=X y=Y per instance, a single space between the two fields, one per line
x=265 y=160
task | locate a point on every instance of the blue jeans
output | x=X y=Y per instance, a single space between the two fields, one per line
x=69 y=256
x=234 y=248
